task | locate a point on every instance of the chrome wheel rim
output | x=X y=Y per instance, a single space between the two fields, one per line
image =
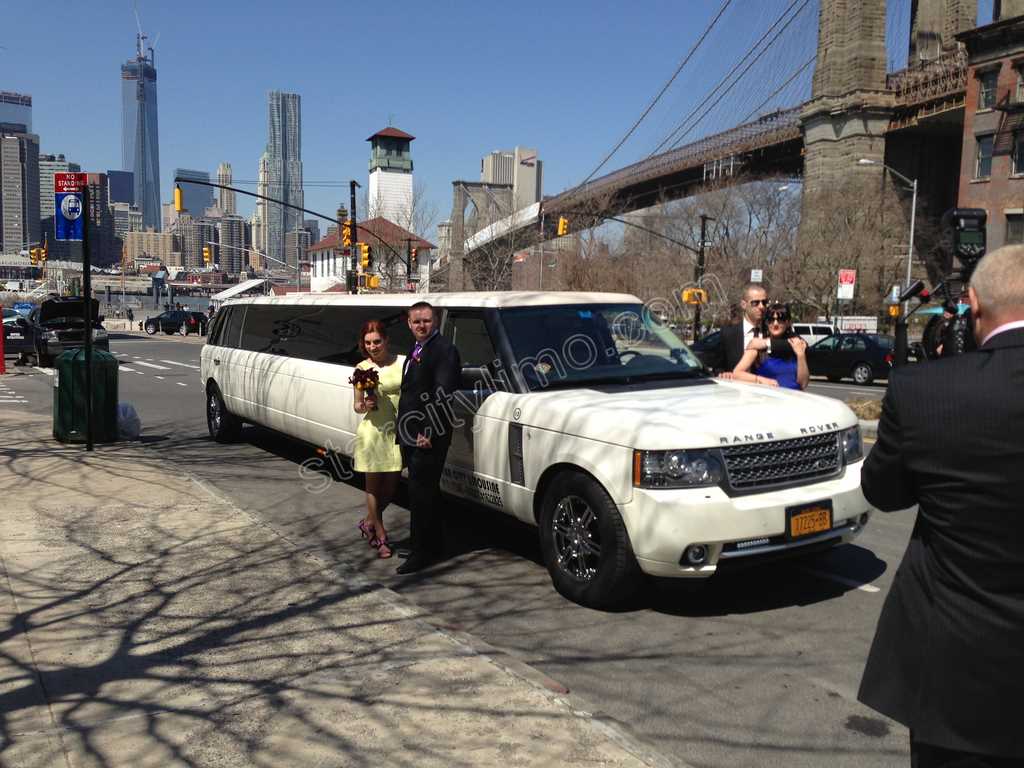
x=576 y=537
x=860 y=374
x=213 y=412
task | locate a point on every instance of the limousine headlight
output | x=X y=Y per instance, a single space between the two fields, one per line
x=676 y=469
x=853 y=447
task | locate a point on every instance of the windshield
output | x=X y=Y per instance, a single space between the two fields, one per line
x=559 y=346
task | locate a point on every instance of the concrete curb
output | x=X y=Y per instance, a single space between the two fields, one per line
x=869 y=428
x=604 y=724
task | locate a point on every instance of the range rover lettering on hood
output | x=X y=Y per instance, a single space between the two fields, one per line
x=817 y=429
x=755 y=438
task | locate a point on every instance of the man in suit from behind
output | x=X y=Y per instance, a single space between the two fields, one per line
x=424 y=430
x=947 y=660
x=734 y=338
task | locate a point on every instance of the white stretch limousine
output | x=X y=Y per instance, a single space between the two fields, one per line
x=579 y=413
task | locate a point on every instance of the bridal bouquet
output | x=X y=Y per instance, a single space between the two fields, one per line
x=366 y=380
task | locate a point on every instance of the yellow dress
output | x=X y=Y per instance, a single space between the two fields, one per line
x=376 y=449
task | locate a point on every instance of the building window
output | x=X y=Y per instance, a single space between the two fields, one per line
x=1019 y=98
x=987 y=89
x=1018 y=152
x=983 y=162
x=1015 y=229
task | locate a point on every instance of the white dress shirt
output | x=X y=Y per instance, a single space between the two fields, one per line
x=1003 y=328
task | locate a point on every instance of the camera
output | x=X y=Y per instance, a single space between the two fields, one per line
x=952 y=333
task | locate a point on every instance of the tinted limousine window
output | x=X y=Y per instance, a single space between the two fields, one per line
x=325 y=334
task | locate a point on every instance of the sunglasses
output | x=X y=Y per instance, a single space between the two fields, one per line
x=758 y=302
x=778 y=318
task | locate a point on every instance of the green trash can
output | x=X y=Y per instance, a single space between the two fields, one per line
x=69 y=396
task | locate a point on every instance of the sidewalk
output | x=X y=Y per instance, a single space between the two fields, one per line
x=146 y=622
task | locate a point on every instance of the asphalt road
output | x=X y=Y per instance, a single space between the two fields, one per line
x=756 y=668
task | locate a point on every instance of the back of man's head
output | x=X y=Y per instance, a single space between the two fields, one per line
x=998 y=280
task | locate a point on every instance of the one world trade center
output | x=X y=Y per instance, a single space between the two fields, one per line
x=140 y=145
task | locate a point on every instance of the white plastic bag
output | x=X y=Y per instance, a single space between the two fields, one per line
x=129 y=425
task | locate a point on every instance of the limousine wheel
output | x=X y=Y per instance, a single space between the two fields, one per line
x=150 y=328
x=584 y=542
x=224 y=427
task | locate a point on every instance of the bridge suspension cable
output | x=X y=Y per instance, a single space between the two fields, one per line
x=664 y=89
x=689 y=122
x=778 y=90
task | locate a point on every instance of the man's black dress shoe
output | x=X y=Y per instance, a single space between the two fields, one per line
x=414 y=563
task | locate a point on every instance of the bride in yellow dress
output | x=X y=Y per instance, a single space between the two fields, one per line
x=376 y=452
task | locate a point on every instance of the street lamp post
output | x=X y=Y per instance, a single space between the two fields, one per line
x=900 y=352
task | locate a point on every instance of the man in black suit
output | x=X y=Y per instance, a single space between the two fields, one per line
x=948 y=656
x=734 y=338
x=424 y=430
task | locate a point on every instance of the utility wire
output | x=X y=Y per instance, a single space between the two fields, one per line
x=664 y=88
x=740 y=63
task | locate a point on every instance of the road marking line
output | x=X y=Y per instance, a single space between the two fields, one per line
x=183 y=365
x=182 y=384
x=47 y=371
x=126 y=368
x=151 y=365
x=160 y=377
x=840 y=579
x=12 y=400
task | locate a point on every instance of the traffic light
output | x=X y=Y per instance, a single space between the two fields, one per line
x=178 y=205
x=206 y=255
x=695 y=296
x=44 y=252
x=412 y=257
x=346 y=233
x=373 y=281
x=563 y=226
x=894 y=310
x=364 y=255
x=33 y=256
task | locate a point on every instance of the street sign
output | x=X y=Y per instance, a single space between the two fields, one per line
x=756 y=275
x=69 y=205
x=847 y=282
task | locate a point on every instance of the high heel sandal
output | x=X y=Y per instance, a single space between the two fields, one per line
x=383 y=550
x=366 y=531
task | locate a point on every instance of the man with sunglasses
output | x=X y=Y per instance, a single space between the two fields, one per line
x=736 y=338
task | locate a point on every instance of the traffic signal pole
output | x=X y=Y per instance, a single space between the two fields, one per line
x=698 y=272
x=355 y=232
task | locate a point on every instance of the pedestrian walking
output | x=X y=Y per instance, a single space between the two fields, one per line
x=947 y=658
x=131 y=315
x=376 y=452
x=424 y=430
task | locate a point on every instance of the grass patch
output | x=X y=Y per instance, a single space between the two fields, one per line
x=869 y=410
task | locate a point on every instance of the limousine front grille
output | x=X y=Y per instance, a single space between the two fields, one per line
x=757 y=466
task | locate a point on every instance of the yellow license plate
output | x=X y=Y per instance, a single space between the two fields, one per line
x=810 y=520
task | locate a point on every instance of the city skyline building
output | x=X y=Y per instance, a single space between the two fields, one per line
x=195 y=198
x=151 y=245
x=104 y=248
x=284 y=168
x=121 y=187
x=140 y=143
x=313 y=227
x=16 y=110
x=519 y=167
x=231 y=237
x=226 y=198
x=19 y=191
x=296 y=246
x=258 y=222
x=390 y=193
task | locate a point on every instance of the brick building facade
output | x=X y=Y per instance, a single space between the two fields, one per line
x=992 y=164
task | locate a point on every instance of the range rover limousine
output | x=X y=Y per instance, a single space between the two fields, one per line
x=579 y=413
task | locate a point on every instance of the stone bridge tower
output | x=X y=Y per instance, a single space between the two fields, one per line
x=850 y=137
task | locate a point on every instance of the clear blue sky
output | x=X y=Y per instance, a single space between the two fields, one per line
x=465 y=78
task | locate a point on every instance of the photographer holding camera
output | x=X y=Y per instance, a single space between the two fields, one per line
x=947 y=657
x=777 y=357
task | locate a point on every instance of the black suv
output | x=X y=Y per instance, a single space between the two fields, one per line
x=56 y=325
x=177 y=321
